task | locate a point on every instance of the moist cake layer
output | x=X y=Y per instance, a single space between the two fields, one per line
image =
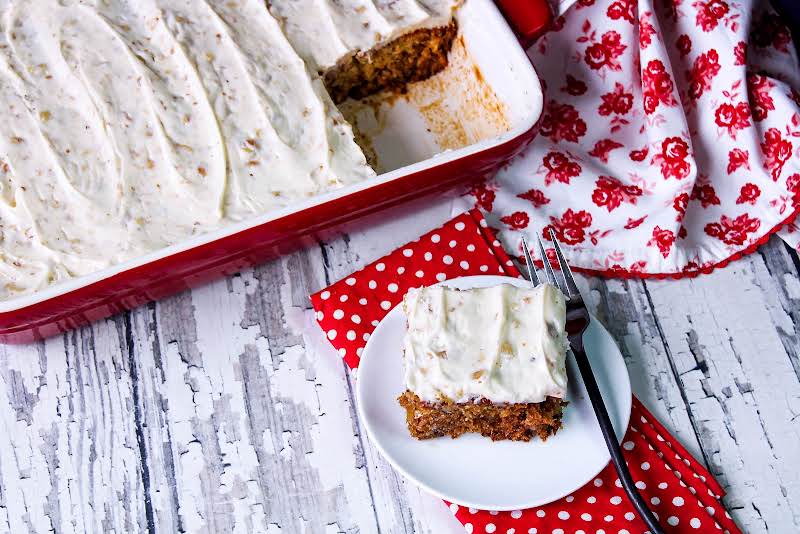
x=128 y=126
x=501 y=344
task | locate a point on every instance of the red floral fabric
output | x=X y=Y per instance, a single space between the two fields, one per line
x=682 y=493
x=668 y=141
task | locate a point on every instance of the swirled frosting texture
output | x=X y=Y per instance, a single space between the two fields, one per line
x=503 y=343
x=129 y=125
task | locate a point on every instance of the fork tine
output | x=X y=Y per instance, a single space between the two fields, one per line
x=548 y=270
x=566 y=272
x=533 y=276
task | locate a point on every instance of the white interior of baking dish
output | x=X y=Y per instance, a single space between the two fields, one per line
x=404 y=143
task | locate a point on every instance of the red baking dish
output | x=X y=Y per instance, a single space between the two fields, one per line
x=493 y=47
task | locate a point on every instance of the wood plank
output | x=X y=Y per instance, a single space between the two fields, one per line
x=727 y=335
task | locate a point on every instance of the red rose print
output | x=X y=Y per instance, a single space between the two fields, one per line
x=738 y=158
x=622 y=9
x=639 y=155
x=793 y=184
x=748 y=194
x=617 y=101
x=733 y=231
x=484 y=196
x=559 y=168
x=709 y=13
x=705 y=194
x=680 y=204
x=610 y=192
x=684 y=45
x=646 y=30
x=672 y=158
x=585 y=3
x=535 y=196
x=517 y=220
x=656 y=86
x=771 y=31
x=776 y=150
x=570 y=228
x=705 y=67
x=740 y=53
x=606 y=52
x=603 y=147
x=663 y=239
x=732 y=118
x=574 y=87
x=562 y=121
x=758 y=87
x=682 y=232
x=633 y=223
x=671 y=8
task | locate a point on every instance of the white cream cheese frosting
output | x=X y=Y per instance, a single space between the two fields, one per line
x=502 y=343
x=129 y=125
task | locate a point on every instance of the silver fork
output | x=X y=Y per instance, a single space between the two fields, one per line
x=578 y=319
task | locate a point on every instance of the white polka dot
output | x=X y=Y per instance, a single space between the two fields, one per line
x=579 y=531
x=342 y=351
x=366 y=336
x=484 y=268
x=448 y=259
x=672 y=520
x=452 y=243
x=372 y=284
x=419 y=274
x=435 y=238
x=490 y=528
x=401 y=270
x=615 y=500
x=516 y=514
x=655 y=501
x=459 y=226
x=591 y=500
x=343 y=298
x=428 y=256
x=493 y=512
x=464 y=265
x=338 y=314
x=617 y=483
x=608 y=518
x=320 y=316
x=629 y=516
x=407 y=252
x=441 y=277
x=325 y=295
x=570 y=498
x=380 y=267
x=586 y=517
x=483 y=223
x=640 y=485
x=628 y=445
x=598 y=482
x=374 y=323
x=470 y=248
x=392 y=288
x=350 y=281
x=362 y=301
x=558 y=531
x=510 y=531
x=468 y=527
x=359 y=350
x=645 y=466
x=539 y=513
x=495 y=243
x=663 y=485
x=600 y=531
x=710 y=510
x=677 y=501
x=356 y=319
x=386 y=304
x=473 y=510
x=351 y=335
x=694 y=522
x=623 y=531
x=563 y=515
x=453 y=507
x=331 y=334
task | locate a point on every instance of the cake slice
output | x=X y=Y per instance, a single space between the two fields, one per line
x=486 y=360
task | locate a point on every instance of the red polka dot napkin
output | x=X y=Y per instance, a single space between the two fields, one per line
x=682 y=493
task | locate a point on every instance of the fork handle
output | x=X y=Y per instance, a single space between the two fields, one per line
x=610 y=438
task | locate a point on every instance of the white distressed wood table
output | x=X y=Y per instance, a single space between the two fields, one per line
x=224 y=410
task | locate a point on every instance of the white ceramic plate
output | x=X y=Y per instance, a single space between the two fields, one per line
x=472 y=470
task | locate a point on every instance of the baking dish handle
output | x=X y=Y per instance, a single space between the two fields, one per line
x=528 y=18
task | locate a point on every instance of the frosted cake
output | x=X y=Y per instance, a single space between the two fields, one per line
x=488 y=360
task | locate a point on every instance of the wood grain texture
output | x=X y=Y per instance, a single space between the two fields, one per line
x=224 y=409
